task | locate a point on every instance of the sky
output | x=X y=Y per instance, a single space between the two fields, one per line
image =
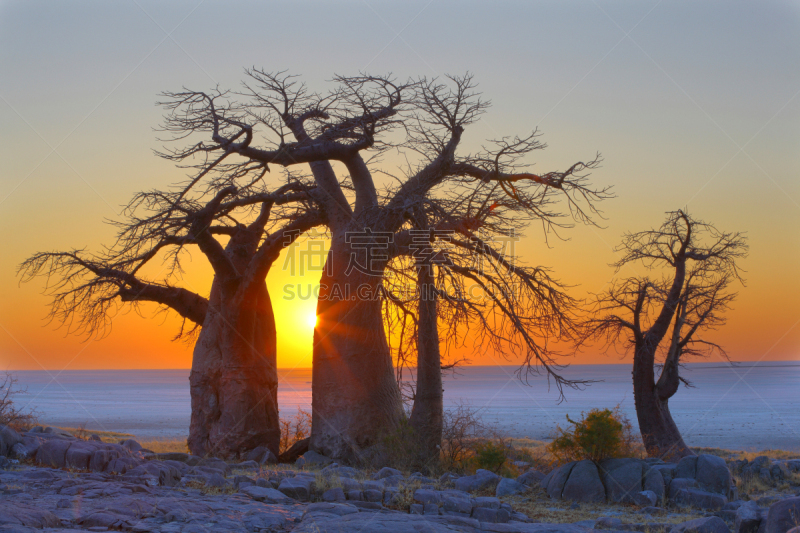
x=693 y=105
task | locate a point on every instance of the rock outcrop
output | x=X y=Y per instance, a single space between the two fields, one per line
x=699 y=481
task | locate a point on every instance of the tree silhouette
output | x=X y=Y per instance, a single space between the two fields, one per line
x=240 y=226
x=698 y=265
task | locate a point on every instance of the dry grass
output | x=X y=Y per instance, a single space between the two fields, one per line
x=535 y=452
x=105 y=436
x=753 y=487
x=537 y=506
x=165 y=445
x=323 y=483
x=740 y=454
x=750 y=486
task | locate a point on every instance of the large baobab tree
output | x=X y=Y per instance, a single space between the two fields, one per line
x=240 y=227
x=339 y=135
x=667 y=315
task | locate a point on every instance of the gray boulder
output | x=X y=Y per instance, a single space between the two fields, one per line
x=265 y=494
x=622 y=479
x=160 y=473
x=483 y=479
x=373 y=485
x=700 y=499
x=349 y=484
x=710 y=524
x=457 y=506
x=58 y=431
x=8 y=439
x=246 y=465
x=298 y=488
x=386 y=472
x=216 y=481
x=216 y=463
x=557 y=479
x=19 y=451
x=313 y=458
x=372 y=495
x=645 y=498
x=79 y=454
x=654 y=481
x=261 y=455
x=132 y=445
x=748 y=518
x=783 y=516
x=713 y=474
x=584 y=484
x=531 y=478
x=487 y=501
x=53 y=453
x=687 y=467
x=334 y=495
x=667 y=471
x=424 y=496
x=680 y=483
x=508 y=486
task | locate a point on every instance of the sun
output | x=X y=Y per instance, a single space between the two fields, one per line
x=311 y=320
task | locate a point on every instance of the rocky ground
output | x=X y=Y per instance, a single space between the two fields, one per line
x=52 y=481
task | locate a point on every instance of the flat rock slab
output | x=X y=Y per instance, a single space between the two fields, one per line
x=395 y=522
x=266 y=495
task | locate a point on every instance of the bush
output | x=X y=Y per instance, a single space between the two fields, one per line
x=462 y=430
x=295 y=429
x=490 y=456
x=11 y=415
x=602 y=434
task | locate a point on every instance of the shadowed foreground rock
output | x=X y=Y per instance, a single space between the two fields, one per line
x=181 y=493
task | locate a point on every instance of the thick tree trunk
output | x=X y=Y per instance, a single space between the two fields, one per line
x=355 y=398
x=660 y=435
x=427 y=412
x=234 y=381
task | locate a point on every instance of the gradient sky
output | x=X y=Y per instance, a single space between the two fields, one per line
x=692 y=104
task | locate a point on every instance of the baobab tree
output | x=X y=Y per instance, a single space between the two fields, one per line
x=667 y=315
x=240 y=227
x=355 y=396
x=471 y=283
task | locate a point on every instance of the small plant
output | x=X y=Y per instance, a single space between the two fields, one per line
x=602 y=434
x=462 y=429
x=10 y=414
x=295 y=429
x=81 y=433
x=323 y=483
x=490 y=455
x=404 y=496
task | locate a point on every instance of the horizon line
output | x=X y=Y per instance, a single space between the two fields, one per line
x=780 y=363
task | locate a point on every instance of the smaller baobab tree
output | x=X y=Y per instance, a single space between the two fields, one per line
x=462 y=279
x=239 y=225
x=664 y=318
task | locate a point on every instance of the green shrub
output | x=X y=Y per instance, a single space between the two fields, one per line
x=602 y=434
x=490 y=456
